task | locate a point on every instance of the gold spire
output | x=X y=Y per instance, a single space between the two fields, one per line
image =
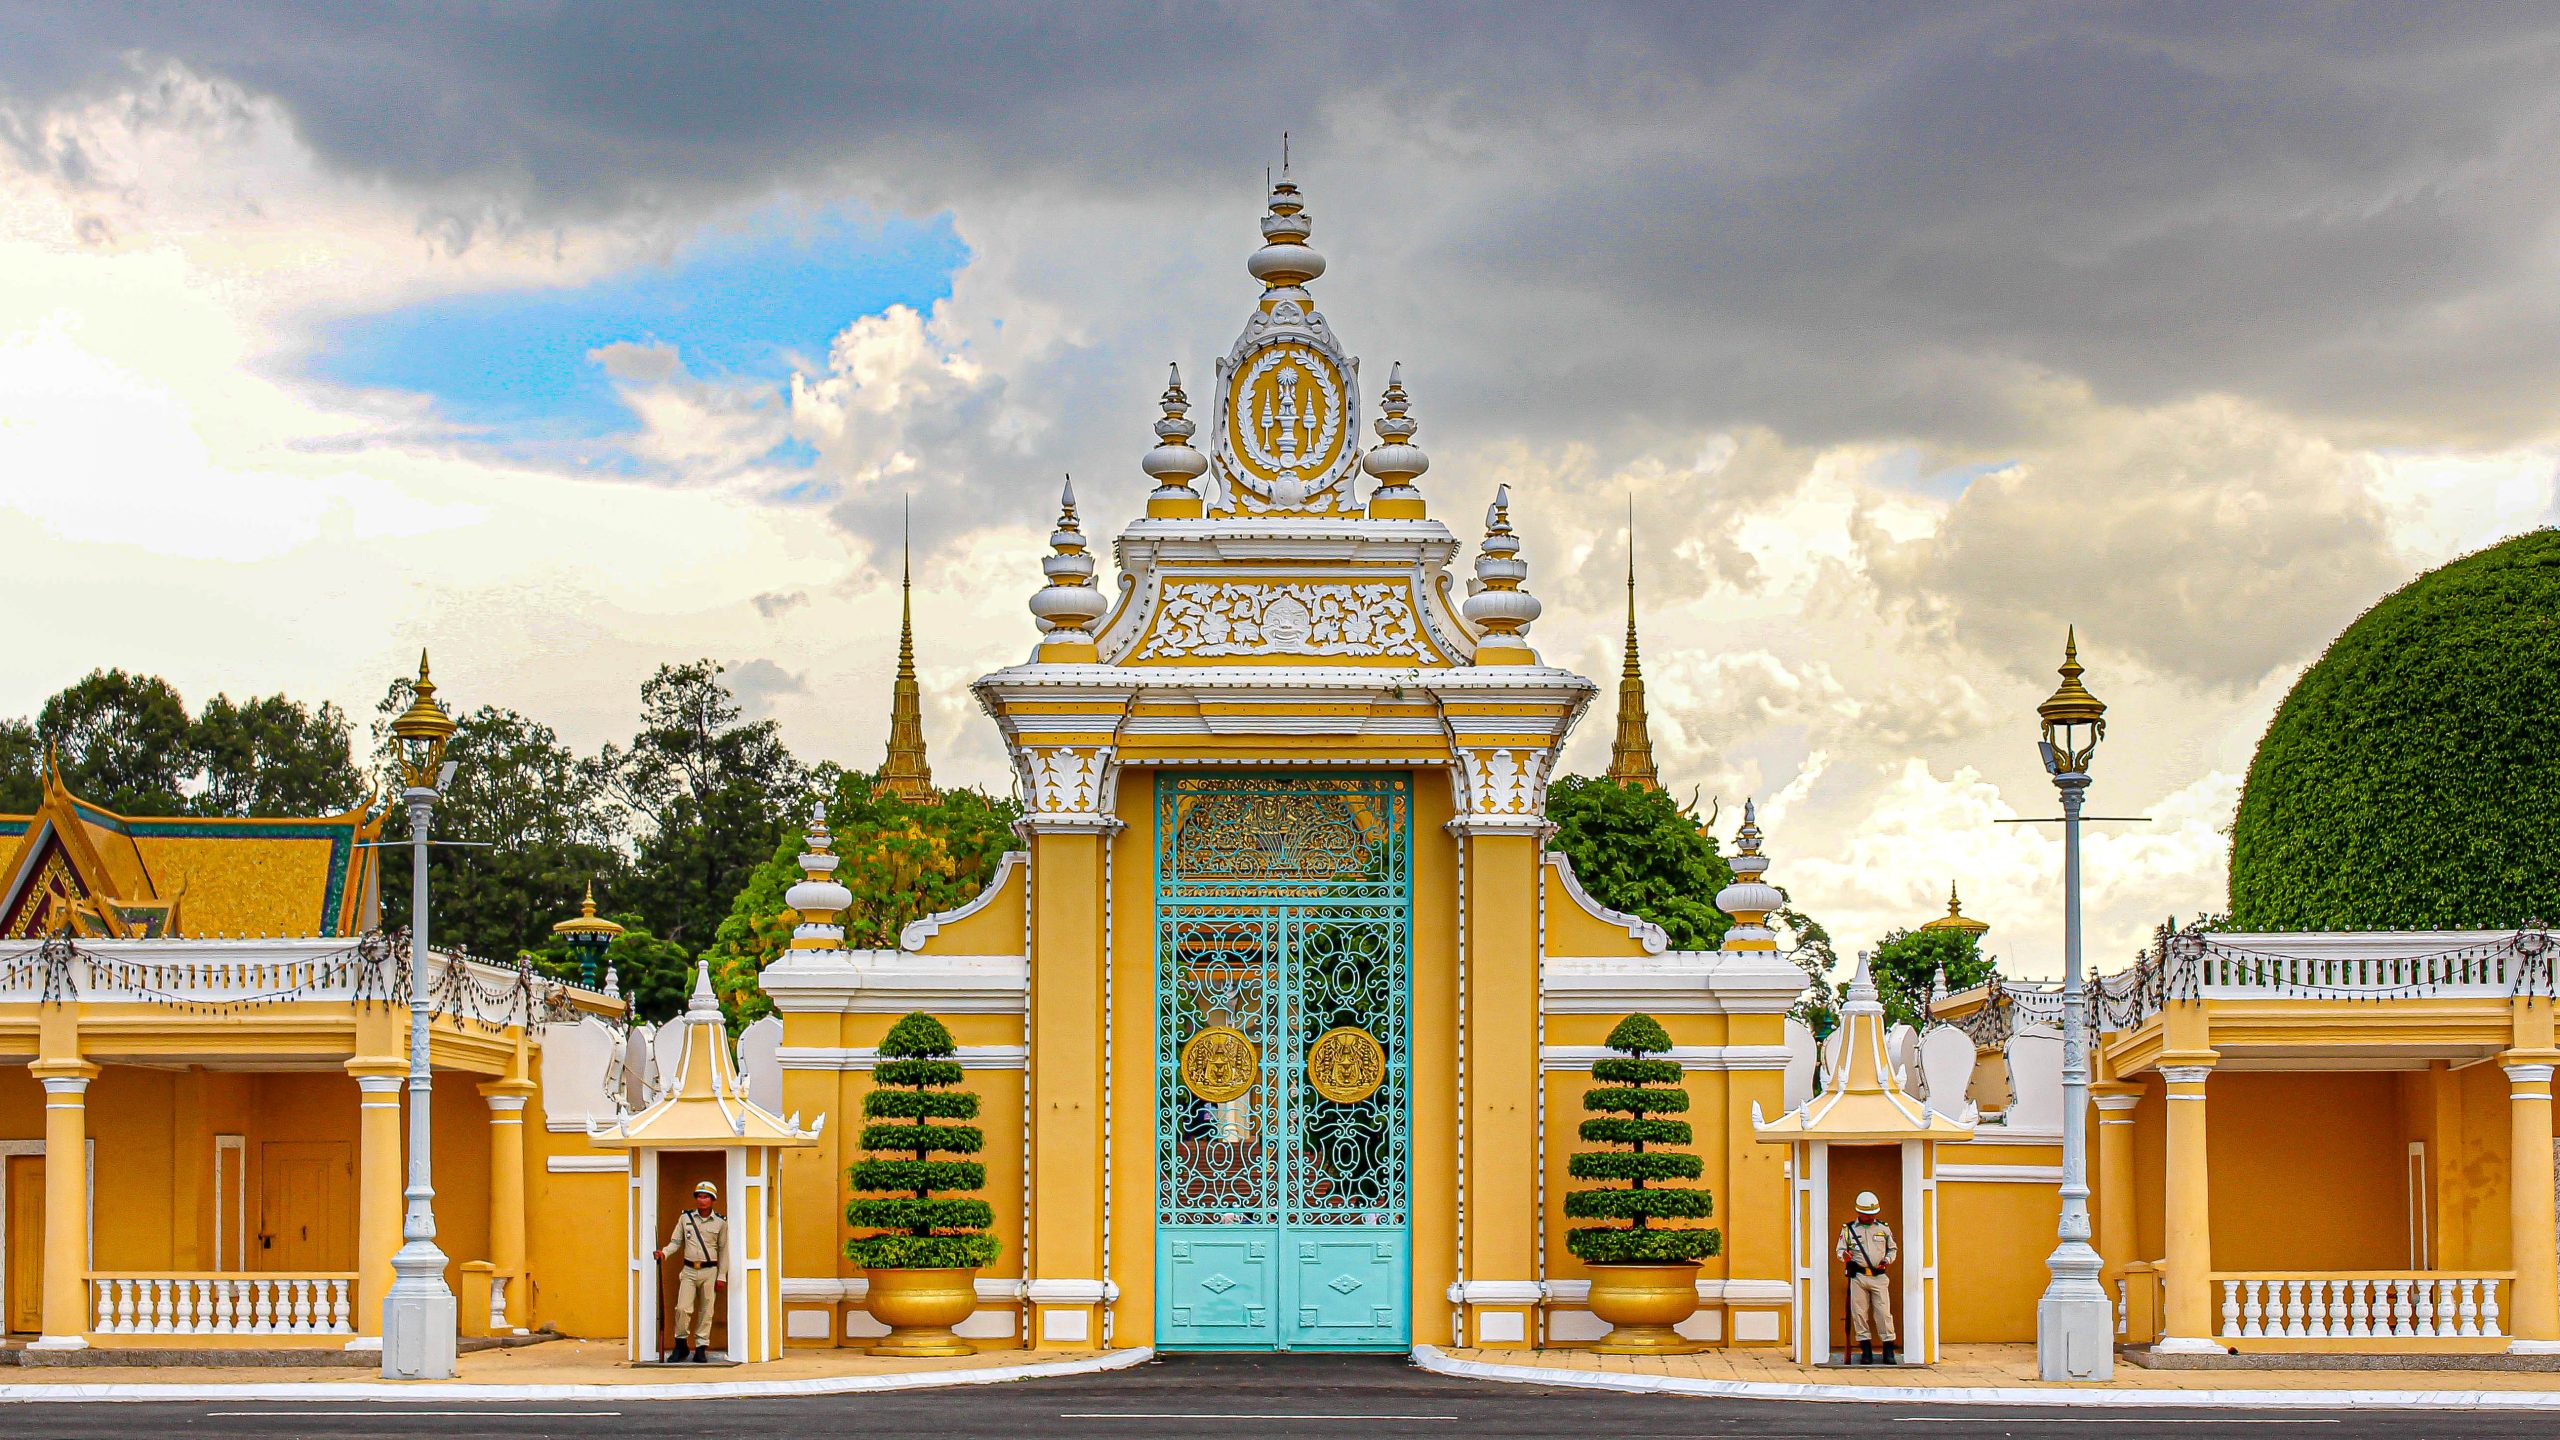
x=906 y=774
x=1631 y=754
x=1955 y=918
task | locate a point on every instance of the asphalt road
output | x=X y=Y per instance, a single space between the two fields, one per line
x=1226 y=1397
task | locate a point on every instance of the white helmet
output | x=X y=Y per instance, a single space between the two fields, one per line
x=1867 y=1203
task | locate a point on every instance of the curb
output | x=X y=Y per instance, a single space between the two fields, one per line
x=441 y=1391
x=1431 y=1358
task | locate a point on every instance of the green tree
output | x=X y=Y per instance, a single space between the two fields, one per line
x=713 y=793
x=1627 y=1095
x=1804 y=941
x=21 y=768
x=546 y=819
x=901 y=861
x=125 y=741
x=2407 y=781
x=1635 y=849
x=907 y=1123
x=272 y=756
x=1908 y=963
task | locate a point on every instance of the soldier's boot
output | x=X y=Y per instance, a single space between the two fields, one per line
x=1866 y=1352
x=702 y=1355
x=680 y=1354
x=1890 y=1354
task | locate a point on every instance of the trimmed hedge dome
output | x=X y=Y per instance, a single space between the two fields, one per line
x=2412 y=777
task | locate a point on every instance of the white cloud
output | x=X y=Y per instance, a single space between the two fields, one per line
x=1826 y=625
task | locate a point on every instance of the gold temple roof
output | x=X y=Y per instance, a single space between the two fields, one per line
x=80 y=866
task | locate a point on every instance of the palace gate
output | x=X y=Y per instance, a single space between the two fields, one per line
x=1284 y=911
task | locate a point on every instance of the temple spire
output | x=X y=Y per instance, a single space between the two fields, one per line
x=906 y=773
x=1631 y=753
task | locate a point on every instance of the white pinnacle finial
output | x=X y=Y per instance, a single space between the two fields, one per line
x=704 y=1006
x=1069 y=604
x=1173 y=464
x=1499 y=607
x=1285 y=262
x=1750 y=898
x=1862 y=985
x=1395 y=462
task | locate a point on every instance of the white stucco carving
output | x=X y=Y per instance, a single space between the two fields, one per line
x=1198 y=618
x=1065 y=782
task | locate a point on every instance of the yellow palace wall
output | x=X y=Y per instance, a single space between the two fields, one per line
x=152 y=1135
x=814 y=1180
x=1993 y=1237
x=2309 y=1168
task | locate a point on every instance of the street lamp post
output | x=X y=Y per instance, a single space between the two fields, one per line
x=418 y=1316
x=2075 y=1324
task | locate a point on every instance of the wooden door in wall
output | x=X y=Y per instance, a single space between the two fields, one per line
x=303 y=1206
x=25 y=1256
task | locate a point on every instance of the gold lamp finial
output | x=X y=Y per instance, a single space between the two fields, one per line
x=422 y=731
x=2074 y=720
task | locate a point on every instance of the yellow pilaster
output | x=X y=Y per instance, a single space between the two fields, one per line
x=1755 y=1206
x=2187 y=1315
x=1065 y=1259
x=2114 y=1199
x=378 y=1069
x=2534 y=1318
x=506 y=1191
x=65 y=1077
x=1499 y=1262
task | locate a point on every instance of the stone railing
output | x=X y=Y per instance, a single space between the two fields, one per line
x=174 y=1302
x=2382 y=1306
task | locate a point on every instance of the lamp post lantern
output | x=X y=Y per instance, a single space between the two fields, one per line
x=2075 y=1323
x=418 y=1316
x=588 y=935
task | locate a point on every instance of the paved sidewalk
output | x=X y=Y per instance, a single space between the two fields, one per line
x=562 y=1369
x=1996 y=1375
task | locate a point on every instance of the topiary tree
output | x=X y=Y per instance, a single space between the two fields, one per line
x=919 y=1228
x=1625 y=1096
x=2406 y=780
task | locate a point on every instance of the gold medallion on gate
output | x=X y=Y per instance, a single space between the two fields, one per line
x=1219 y=1064
x=1346 y=1065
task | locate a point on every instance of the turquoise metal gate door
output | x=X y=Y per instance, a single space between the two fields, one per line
x=1284 y=921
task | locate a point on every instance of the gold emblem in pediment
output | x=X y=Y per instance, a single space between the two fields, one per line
x=1220 y=1064
x=1346 y=1065
x=1288 y=420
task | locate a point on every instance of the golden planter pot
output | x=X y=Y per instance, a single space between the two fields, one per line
x=1642 y=1303
x=920 y=1307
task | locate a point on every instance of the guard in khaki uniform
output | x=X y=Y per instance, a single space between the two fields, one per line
x=701 y=1237
x=1866 y=1250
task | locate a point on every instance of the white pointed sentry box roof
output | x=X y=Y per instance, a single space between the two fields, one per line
x=1861 y=1104
x=707 y=1107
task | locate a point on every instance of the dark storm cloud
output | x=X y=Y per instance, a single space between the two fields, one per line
x=1843 y=221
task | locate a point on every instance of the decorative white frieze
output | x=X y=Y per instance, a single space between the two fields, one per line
x=1373 y=619
x=1503 y=787
x=1066 y=785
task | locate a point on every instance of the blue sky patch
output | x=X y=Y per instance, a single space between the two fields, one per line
x=742 y=303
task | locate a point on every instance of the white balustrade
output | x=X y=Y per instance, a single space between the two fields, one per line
x=209 y=1303
x=2362 y=1305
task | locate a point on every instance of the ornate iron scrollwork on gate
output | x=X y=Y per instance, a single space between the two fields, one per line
x=1284 y=917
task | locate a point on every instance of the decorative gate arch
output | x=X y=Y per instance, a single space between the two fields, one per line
x=1284 y=921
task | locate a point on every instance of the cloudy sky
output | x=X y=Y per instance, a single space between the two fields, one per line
x=572 y=339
